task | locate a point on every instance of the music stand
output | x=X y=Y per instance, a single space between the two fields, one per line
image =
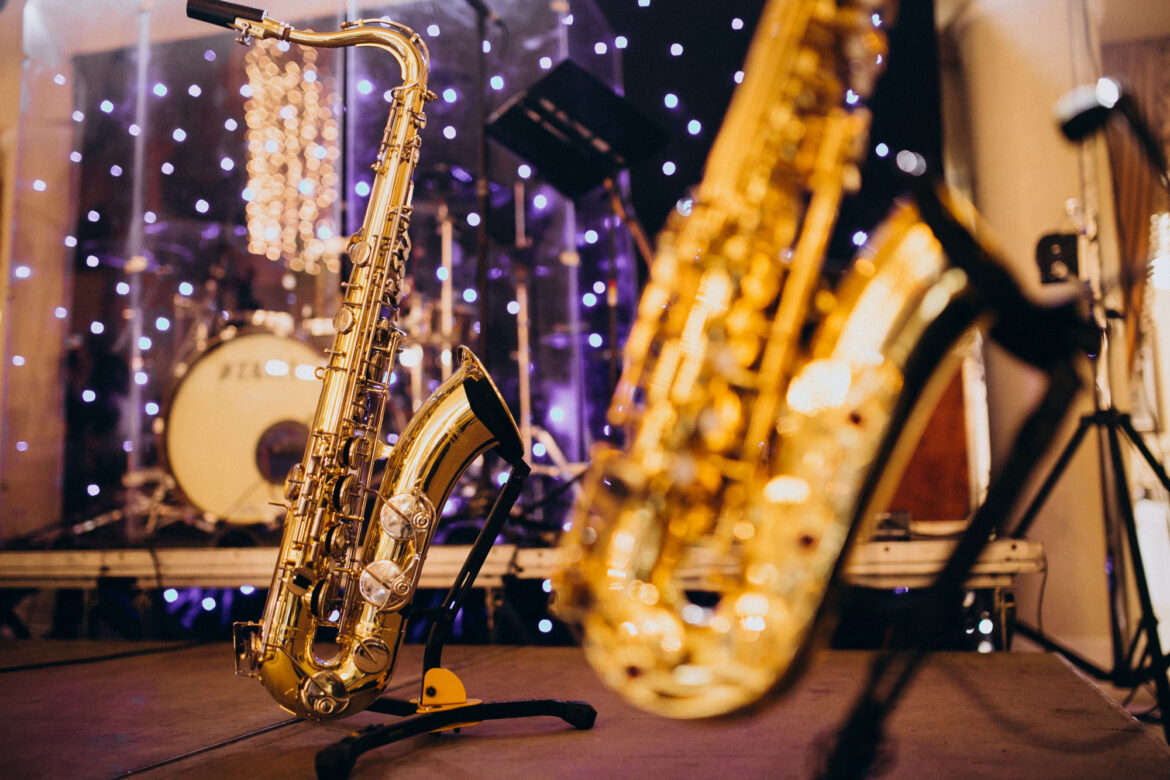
x=580 y=134
x=574 y=129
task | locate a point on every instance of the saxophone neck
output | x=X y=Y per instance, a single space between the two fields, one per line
x=252 y=23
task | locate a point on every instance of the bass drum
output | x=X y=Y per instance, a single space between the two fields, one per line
x=238 y=420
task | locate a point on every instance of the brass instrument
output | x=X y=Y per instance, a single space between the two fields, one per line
x=764 y=416
x=351 y=554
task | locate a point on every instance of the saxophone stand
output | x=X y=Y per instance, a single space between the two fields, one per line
x=443 y=703
x=1050 y=339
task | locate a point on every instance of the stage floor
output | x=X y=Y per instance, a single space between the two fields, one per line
x=91 y=710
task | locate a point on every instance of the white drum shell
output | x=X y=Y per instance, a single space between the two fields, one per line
x=227 y=403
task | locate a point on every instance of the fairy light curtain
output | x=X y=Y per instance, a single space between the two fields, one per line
x=292 y=146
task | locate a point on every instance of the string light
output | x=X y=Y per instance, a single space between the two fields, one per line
x=292 y=138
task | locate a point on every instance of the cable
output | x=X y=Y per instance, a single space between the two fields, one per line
x=96 y=658
x=209 y=748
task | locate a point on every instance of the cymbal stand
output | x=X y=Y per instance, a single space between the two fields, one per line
x=531 y=434
x=446 y=290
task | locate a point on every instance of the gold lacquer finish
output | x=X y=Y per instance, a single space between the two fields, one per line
x=761 y=411
x=352 y=554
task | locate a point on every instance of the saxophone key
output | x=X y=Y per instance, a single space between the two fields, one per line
x=355 y=451
x=386 y=585
x=324 y=693
x=324 y=602
x=301 y=580
x=371 y=656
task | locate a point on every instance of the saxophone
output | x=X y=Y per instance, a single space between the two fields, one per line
x=764 y=416
x=351 y=554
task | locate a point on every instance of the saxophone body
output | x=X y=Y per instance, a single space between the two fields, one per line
x=764 y=415
x=352 y=551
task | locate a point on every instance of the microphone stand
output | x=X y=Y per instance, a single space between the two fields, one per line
x=1082 y=113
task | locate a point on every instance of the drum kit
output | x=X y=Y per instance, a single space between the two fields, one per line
x=243 y=385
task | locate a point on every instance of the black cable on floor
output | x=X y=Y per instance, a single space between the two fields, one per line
x=209 y=748
x=107 y=657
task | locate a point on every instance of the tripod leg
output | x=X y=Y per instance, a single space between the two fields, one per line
x=1137 y=441
x=1149 y=622
x=1029 y=516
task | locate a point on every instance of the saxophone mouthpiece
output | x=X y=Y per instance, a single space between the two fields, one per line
x=223 y=14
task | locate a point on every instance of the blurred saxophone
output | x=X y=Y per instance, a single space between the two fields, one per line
x=764 y=416
x=352 y=554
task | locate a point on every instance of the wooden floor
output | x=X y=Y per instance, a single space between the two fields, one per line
x=89 y=710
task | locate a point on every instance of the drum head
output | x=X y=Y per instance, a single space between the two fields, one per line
x=239 y=420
